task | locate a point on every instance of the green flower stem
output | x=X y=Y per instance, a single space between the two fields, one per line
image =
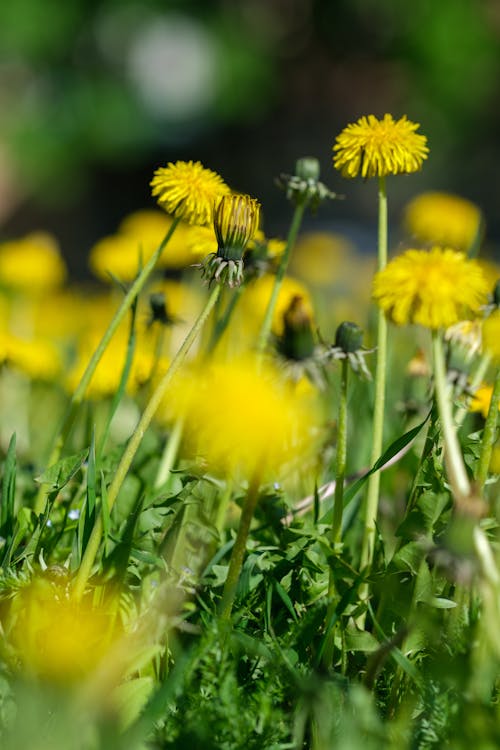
x=489 y=434
x=169 y=454
x=454 y=461
x=81 y=388
x=239 y=548
x=338 y=508
x=222 y=322
x=338 y=502
x=90 y=554
x=280 y=275
x=476 y=380
x=372 y=498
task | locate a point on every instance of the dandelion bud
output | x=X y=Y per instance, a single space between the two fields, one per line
x=307 y=168
x=297 y=341
x=349 y=337
x=236 y=218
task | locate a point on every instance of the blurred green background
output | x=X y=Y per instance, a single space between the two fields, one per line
x=95 y=94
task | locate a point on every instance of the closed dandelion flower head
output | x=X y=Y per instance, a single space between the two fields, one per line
x=443 y=219
x=375 y=148
x=241 y=420
x=188 y=191
x=435 y=288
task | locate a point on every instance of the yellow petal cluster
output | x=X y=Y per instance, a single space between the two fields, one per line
x=435 y=288
x=32 y=264
x=58 y=639
x=376 y=148
x=481 y=400
x=188 y=191
x=443 y=219
x=242 y=419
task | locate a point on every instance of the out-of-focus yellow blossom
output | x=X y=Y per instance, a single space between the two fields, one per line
x=375 y=148
x=481 y=400
x=201 y=241
x=321 y=258
x=107 y=375
x=188 y=191
x=434 y=289
x=148 y=227
x=443 y=219
x=118 y=255
x=491 y=335
x=39 y=359
x=32 y=264
x=242 y=419
x=495 y=459
x=254 y=302
x=57 y=639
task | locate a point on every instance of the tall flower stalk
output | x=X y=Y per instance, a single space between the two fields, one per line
x=377 y=148
x=303 y=189
x=372 y=496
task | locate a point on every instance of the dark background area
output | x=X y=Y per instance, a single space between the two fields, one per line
x=96 y=94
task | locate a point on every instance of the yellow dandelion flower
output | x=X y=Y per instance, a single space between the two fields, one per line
x=118 y=255
x=491 y=335
x=201 y=241
x=435 y=288
x=148 y=226
x=375 y=148
x=38 y=358
x=188 y=191
x=481 y=400
x=256 y=299
x=32 y=264
x=58 y=639
x=241 y=419
x=443 y=219
x=321 y=258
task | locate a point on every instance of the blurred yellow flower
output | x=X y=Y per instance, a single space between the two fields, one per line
x=149 y=227
x=481 y=400
x=443 y=219
x=491 y=335
x=201 y=241
x=243 y=420
x=32 y=264
x=56 y=638
x=375 y=148
x=188 y=191
x=254 y=302
x=321 y=258
x=434 y=289
x=38 y=358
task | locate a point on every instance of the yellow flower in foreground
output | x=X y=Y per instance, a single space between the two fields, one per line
x=243 y=420
x=443 y=219
x=375 y=148
x=188 y=191
x=56 y=638
x=491 y=335
x=482 y=399
x=434 y=289
x=32 y=264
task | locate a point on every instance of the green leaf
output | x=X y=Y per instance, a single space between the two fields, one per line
x=8 y=489
x=395 y=447
x=60 y=473
x=285 y=599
